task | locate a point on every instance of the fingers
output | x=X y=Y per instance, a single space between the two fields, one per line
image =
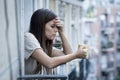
x=58 y=22
x=84 y=47
x=84 y=50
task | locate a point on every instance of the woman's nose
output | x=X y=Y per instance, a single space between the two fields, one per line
x=56 y=29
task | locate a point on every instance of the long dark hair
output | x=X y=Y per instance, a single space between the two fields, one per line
x=37 y=28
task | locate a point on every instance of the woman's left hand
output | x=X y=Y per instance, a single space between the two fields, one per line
x=58 y=24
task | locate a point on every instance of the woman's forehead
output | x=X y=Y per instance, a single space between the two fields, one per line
x=51 y=22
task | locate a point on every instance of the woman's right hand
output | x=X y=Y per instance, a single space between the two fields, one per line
x=82 y=51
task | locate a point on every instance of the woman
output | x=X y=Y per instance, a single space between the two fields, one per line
x=39 y=49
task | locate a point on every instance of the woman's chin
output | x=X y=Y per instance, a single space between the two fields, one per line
x=51 y=38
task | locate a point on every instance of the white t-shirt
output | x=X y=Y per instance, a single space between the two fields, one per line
x=31 y=43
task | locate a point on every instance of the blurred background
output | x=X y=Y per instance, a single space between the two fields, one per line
x=95 y=23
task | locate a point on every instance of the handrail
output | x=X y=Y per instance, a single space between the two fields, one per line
x=61 y=77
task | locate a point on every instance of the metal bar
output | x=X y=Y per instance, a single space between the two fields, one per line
x=62 y=77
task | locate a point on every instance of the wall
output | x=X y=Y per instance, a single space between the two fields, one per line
x=8 y=42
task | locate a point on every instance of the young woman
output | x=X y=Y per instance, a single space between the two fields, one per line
x=40 y=56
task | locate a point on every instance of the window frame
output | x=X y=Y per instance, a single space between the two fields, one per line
x=20 y=34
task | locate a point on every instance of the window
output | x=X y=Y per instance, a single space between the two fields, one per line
x=104 y=62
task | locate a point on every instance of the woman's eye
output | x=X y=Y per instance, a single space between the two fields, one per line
x=52 y=26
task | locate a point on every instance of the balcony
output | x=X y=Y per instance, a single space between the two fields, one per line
x=64 y=72
x=118 y=59
x=34 y=77
x=118 y=42
x=110 y=65
x=107 y=46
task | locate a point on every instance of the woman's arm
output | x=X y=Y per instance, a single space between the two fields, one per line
x=66 y=46
x=51 y=62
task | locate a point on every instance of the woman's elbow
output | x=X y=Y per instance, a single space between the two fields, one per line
x=50 y=65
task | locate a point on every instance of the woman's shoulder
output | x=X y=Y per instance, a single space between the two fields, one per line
x=28 y=34
x=30 y=44
x=29 y=37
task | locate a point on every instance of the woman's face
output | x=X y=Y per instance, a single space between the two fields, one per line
x=50 y=30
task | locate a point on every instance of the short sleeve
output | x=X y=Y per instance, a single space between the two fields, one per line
x=30 y=44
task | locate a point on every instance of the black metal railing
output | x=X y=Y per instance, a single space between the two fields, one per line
x=35 y=77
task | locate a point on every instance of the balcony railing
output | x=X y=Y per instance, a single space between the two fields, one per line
x=63 y=75
x=35 y=77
